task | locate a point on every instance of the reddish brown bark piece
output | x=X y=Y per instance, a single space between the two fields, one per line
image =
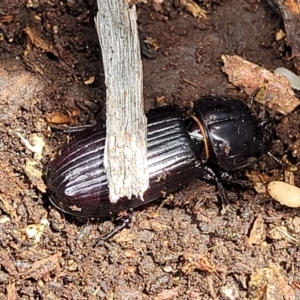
x=278 y=94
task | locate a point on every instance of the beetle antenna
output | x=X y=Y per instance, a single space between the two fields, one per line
x=286 y=164
x=71 y=129
x=257 y=93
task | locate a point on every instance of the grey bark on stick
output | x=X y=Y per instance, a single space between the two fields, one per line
x=125 y=157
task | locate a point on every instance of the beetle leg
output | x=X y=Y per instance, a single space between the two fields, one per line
x=266 y=122
x=125 y=223
x=71 y=129
x=222 y=192
x=274 y=6
x=229 y=178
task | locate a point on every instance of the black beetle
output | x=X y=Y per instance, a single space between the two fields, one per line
x=220 y=134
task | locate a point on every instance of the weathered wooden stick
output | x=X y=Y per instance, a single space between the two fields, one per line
x=125 y=157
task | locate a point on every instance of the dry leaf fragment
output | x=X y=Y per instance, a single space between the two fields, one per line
x=42 y=267
x=196 y=261
x=269 y=284
x=58 y=118
x=36 y=40
x=279 y=95
x=193 y=8
x=287 y=291
x=168 y=294
x=257 y=233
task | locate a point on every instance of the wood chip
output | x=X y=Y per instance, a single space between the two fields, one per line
x=268 y=283
x=193 y=8
x=11 y=292
x=168 y=294
x=278 y=95
x=197 y=261
x=37 y=41
x=42 y=267
x=257 y=233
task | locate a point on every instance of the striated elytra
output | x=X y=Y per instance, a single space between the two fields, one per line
x=219 y=136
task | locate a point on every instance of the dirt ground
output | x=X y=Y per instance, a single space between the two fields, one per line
x=51 y=67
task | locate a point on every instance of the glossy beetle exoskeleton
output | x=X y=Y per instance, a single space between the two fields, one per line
x=221 y=133
x=229 y=133
x=76 y=178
